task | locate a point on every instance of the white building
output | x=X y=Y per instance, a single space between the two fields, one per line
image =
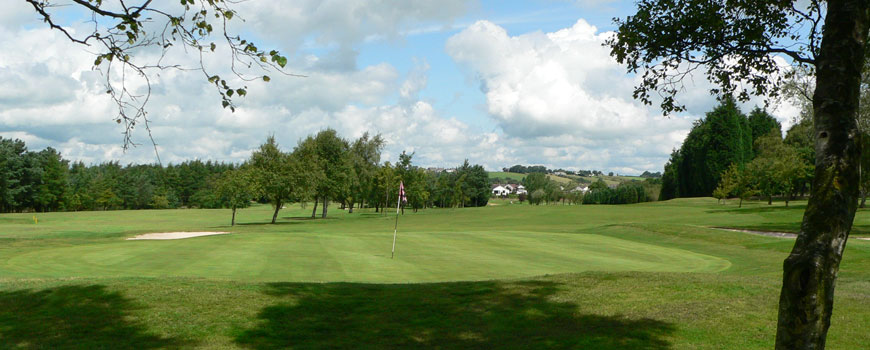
x=500 y=191
x=521 y=189
x=581 y=188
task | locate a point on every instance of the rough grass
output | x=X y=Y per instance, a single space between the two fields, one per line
x=507 y=175
x=71 y=281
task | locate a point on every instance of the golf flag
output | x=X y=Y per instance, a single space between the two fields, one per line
x=402 y=199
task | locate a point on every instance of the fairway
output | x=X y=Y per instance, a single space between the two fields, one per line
x=305 y=257
x=645 y=276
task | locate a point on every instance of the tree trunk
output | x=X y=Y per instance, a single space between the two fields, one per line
x=810 y=271
x=325 y=206
x=233 y=221
x=769 y=199
x=314 y=212
x=863 y=199
x=277 y=208
x=741 y=203
x=350 y=211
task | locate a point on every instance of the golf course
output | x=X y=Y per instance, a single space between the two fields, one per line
x=660 y=275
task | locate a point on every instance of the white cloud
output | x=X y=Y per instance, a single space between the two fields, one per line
x=557 y=98
x=563 y=89
x=340 y=25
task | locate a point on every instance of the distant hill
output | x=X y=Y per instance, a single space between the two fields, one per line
x=565 y=179
x=506 y=175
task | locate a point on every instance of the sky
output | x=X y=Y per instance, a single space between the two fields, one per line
x=495 y=82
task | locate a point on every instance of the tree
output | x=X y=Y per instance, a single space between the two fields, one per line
x=800 y=137
x=670 y=181
x=52 y=186
x=276 y=174
x=765 y=168
x=723 y=137
x=736 y=43
x=722 y=190
x=739 y=180
x=236 y=188
x=534 y=182
x=11 y=167
x=365 y=155
x=122 y=33
x=332 y=154
x=476 y=183
x=762 y=124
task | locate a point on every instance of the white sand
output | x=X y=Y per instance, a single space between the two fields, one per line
x=174 y=235
x=776 y=234
x=761 y=233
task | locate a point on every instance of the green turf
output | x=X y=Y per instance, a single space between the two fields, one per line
x=507 y=175
x=647 y=276
x=361 y=257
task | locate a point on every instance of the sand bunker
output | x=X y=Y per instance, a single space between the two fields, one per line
x=775 y=234
x=174 y=235
x=761 y=233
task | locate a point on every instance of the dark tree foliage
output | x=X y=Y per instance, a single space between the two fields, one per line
x=477 y=180
x=522 y=169
x=467 y=186
x=13 y=167
x=670 y=180
x=625 y=193
x=334 y=159
x=800 y=137
x=735 y=43
x=762 y=124
x=714 y=143
x=44 y=181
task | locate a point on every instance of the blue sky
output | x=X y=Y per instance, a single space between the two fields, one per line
x=495 y=82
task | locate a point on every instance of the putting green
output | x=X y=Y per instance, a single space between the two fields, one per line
x=360 y=257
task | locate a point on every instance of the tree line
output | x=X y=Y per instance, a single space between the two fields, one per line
x=323 y=168
x=543 y=190
x=43 y=181
x=727 y=153
x=731 y=155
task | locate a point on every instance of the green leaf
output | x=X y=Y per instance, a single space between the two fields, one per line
x=282 y=61
x=241 y=92
x=213 y=46
x=230 y=92
x=225 y=103
x=228 y=14
x=266 y=78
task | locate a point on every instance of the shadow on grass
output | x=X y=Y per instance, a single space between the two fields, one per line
x=269 y=223
x=73 y=317
x=759 y=209
x=467 y=315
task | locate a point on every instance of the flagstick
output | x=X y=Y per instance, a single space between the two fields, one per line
x=396 y=228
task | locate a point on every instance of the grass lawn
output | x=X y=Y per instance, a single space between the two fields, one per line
x=506 y=175
x=646 y=276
